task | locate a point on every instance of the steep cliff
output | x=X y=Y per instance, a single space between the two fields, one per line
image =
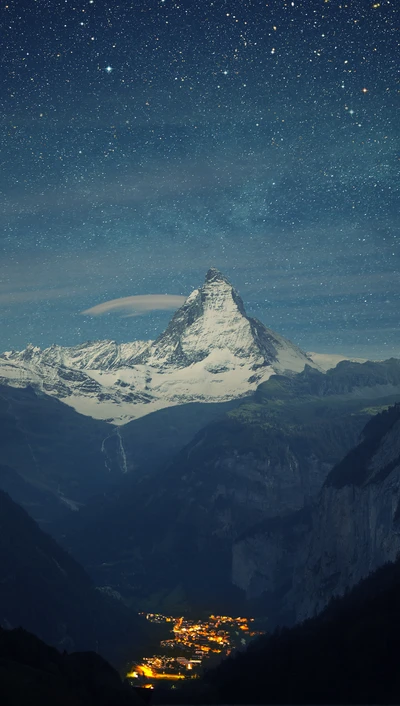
x=263 y=563
x=290 y=568
x=356 y=523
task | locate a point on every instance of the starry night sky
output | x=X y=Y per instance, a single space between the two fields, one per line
x=144 y=141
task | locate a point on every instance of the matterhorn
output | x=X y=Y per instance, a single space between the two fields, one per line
x=211 y=351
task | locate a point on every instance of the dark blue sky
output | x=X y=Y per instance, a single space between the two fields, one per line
x=143 y=142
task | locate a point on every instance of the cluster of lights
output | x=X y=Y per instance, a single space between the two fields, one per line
x=195 y=640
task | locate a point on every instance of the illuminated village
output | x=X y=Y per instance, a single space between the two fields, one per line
x=192 y=643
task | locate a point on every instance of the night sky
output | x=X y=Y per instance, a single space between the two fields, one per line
x=143 y=142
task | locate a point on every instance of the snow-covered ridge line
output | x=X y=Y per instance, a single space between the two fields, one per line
x=211 y=351
x=92 y=354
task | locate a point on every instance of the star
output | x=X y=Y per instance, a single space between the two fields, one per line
x=176 y=154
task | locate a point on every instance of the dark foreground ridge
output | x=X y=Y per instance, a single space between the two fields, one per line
x=44 y=590
x=33 y=673
x=349 y=654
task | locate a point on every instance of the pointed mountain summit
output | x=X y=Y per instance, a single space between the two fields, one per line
x=213 y=324
x=214 y=275
x=211 y=351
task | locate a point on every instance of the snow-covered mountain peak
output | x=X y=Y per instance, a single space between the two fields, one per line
x=214 y=275
x=212 y=318
x=210 y=351
x=212 y=323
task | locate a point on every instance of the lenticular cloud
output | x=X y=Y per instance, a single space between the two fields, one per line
x=136 y=305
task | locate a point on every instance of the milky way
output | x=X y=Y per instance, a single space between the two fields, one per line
x=143 y=142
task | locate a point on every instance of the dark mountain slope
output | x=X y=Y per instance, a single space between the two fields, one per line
x=152 y=441
x=33 y=673
x=53 y=455
x=348 y=654
x=355 y=467
x=54 y=460
x=47 y=592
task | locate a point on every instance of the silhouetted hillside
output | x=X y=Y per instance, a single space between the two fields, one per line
x=33 y=673
x=348 y=654
x=44 y=590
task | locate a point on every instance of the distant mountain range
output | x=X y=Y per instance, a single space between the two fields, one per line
x=210 y=352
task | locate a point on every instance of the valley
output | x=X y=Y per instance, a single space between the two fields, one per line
x=181 y=535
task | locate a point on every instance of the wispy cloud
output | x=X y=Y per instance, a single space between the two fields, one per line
x=10 y=296
x=136 y=305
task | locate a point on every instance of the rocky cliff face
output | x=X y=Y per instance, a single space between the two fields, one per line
x=263 y=561
x=356 y=524
x=294 y=566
